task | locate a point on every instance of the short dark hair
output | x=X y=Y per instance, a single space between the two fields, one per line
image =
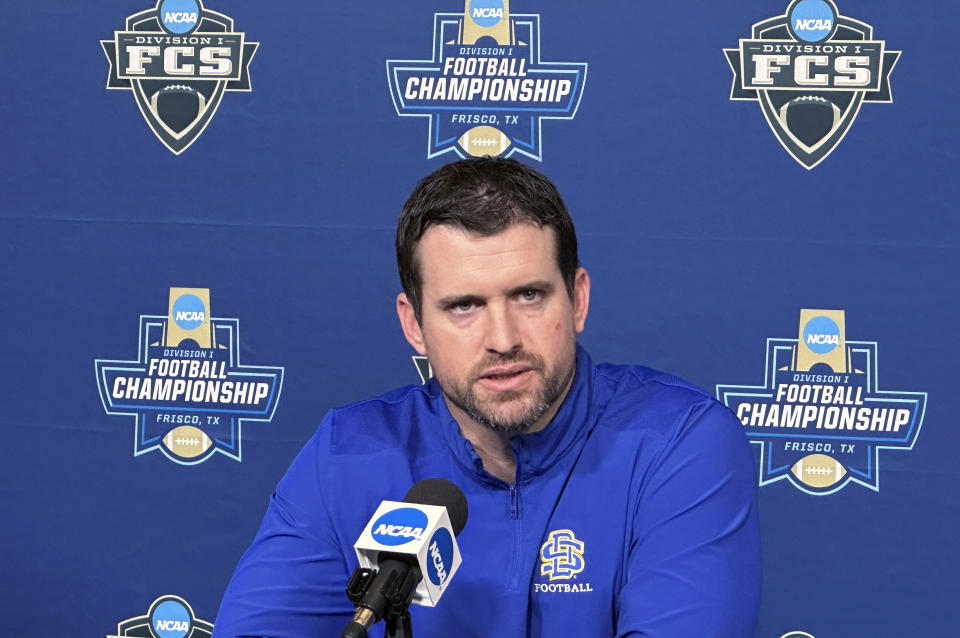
x=484 y=196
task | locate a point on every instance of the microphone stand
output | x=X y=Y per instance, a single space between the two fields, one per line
x=398 y=592
x=399 y=624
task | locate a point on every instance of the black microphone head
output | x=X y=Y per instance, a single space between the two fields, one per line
x=438 y=491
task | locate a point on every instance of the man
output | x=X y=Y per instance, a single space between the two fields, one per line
x=604 y=500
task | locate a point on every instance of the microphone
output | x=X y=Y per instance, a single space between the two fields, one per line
x=403 y=542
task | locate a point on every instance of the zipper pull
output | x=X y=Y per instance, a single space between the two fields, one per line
x=514 y=502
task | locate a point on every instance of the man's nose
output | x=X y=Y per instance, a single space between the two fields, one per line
x=503 y=335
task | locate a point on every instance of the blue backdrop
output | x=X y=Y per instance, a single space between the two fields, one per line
x=276 y=194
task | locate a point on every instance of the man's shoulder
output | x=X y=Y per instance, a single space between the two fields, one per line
x=387 y=421
x=642 y=397
x=635 y=381
x=397 y=399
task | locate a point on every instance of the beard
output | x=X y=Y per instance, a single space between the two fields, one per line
x=510 y=412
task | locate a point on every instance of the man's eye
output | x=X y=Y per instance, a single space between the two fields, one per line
x=530 y=295
x=462 y=306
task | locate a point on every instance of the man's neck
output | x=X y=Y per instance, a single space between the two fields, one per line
x=493 y=447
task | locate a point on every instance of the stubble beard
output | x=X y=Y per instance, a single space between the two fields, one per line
x=510 y=412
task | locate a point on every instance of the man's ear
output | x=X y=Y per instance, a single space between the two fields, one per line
x=581 y=299
x=409 y=323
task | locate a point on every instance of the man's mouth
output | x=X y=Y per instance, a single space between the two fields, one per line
x=509 y=378
x=505 y=372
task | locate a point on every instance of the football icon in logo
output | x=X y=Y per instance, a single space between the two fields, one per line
x=187 y=441
x=818 y=470
x=177 y=106
x=484 y=140
x=810 y=118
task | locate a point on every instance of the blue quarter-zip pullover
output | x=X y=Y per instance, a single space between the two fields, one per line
x=633 y=513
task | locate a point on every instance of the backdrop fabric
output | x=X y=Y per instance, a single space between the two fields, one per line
x=197 y=215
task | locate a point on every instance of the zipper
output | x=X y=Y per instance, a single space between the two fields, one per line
x=516 y=511
x=514 y=502
x=516 y=514
x=518 y=538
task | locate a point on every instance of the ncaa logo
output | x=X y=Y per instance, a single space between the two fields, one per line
x=189 y=312
x=179 y=16
x=170 y=618
x=821 y=334
x=812 y=20
x=399 y=526
x=486 y=13
x=439 y=556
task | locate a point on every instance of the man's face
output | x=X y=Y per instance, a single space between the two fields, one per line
x=497 y=323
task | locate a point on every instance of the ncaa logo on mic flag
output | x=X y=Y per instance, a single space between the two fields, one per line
x=168 y=617
x=178 y=59
x=439 y=556
x=820 y=418
x=811 y=69
x=399 y=526
x=187 y=391
x=485 y=89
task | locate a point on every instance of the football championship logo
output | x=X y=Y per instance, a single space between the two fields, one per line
x=820 y=418
x=168 y=617
x=178 y=59
x=485 y=90
x=811 y=70
x=187 y=391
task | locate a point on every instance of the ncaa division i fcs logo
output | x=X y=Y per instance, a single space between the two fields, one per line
x=168 y=617
x=811 y=69
x=820 y=418
x=178 y=59
x=485 y=90
x=187 y=391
